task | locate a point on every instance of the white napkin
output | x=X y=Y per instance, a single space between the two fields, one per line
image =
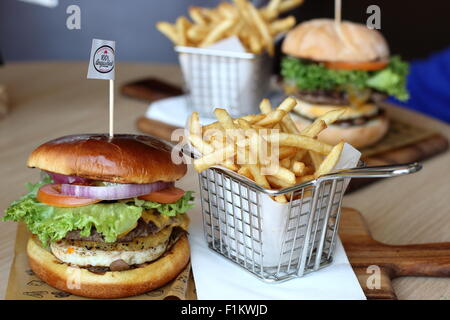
x=232 y=44
x=218 y=278
x=174 y=110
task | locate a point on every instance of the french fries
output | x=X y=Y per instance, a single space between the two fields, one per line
x=216 y=33
x=262 y=28
x=197 y=16
x=259 y=178
x=300 y=142
x=281 y=25
x=202 y=146
x=267 y=148
x=265 y=106
x=181 y=26
x=255 y=28
x=197 y=33
x=194 y=125
x=298 y=168
x=275 y=116
x=168 y=30
x=289 y=5
x=316 y=159
x=330 y=161
x=219 y=156
x=285 y=175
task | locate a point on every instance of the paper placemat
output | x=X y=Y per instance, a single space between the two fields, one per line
x=23 y=284
x=218 y=278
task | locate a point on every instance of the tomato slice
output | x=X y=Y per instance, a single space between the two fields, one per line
x=168 y=195
x=349 y=65
x=50 y=194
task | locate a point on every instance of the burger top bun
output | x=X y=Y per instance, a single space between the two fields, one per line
x=323 y=40
x=124 y=158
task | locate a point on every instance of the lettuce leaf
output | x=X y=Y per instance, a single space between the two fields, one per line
x=315 y=76
x=392 y=79
x=168 y=209
x=51 y=223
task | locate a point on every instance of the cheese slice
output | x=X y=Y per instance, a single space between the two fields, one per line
x=161 y=221
x=313 y=111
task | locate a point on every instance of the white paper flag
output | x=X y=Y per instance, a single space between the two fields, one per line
x=101 y=63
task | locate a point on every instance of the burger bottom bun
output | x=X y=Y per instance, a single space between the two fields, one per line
x=358 y=136
x=113 y=284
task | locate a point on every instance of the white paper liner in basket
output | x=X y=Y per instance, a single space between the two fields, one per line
x=273 y=215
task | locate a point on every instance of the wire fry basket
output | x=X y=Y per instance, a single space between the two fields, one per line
x=273 y=241
x=237 y=81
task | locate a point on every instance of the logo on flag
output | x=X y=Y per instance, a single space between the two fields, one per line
x=102 y=60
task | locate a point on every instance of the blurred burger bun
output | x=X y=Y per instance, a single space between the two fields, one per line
x=321 y=40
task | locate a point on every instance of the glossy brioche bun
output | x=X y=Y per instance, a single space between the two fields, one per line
x=358 y=136
x=321 y=40
x=112 y=284
x=125 y=158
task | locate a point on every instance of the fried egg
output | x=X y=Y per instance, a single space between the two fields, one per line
x=82 y=256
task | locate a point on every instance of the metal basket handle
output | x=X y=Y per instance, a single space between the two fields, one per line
x=377 y=172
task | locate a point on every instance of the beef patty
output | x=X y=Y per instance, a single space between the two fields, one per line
x=143 y=229
x=334 y=97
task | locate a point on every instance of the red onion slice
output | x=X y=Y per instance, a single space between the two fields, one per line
x=119 y=191
x=61 y=178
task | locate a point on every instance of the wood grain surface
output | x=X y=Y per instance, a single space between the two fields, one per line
x=150 y=89
x=404 y=143
x=393 y=261
x=48 y=100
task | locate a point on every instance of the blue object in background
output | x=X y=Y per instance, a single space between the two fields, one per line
x=429 y=86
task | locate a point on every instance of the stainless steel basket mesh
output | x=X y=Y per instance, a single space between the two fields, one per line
x=238 y=220
x=232 y=80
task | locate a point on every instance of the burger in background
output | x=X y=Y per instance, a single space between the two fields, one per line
x=108 y=209
x=330 y=66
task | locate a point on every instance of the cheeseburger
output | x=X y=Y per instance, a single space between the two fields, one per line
x=329 y=66
x=106 y=219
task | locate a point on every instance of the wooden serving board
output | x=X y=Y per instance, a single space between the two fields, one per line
x=150 y=89
x=393 y=261
x=403 y=143
x=432 y=260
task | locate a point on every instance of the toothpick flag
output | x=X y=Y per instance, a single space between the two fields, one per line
x=101 y=66
x=337 y=11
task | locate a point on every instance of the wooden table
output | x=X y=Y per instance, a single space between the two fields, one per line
x=49 y=100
